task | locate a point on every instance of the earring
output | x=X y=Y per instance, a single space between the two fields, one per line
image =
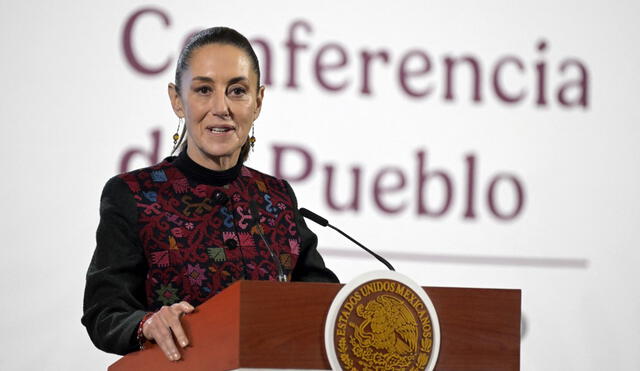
x=176 y=136
x=252 y=139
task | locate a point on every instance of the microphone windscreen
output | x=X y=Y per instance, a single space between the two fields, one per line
x=313 y=216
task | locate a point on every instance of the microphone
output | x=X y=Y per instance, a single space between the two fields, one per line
x=253 y=207
x=325 y=223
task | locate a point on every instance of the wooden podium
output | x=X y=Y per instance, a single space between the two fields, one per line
x=272 y=325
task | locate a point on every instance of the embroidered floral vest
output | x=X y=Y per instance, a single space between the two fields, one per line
x=198 y=242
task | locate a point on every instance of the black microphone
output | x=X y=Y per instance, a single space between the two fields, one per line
x=325 y=223
x=253 y=207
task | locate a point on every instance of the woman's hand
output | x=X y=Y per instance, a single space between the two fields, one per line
x=164 y=325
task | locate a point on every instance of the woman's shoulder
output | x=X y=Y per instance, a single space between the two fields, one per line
x=142 y=177
x=158 y=168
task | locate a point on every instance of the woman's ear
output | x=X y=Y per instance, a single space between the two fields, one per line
x=259 y=98
x=176 y=101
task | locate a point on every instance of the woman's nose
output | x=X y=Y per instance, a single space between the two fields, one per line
x=219 y=106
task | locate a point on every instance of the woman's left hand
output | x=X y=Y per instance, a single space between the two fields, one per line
x=164 y=325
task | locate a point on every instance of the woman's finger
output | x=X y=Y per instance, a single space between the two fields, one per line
x=157 y=328
x=178 y=332
x=184 y=307
x=175 y=324
x=168 y=347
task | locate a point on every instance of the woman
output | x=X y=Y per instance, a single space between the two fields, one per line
x=175 y=234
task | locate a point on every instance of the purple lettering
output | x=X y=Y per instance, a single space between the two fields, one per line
x=354 y=204
x=367 y=57
x=379 y=190
x=581 y=84
x=471 y=187
x=128 y=46
x=404 y=73
x=423 y=178
x=450 y=62
x=497 y=86
x=491 y=199
x=292 y=45
x=265 y=60
x=278 y=167
x=541 y=68
x=322 y=67
x=151 y=156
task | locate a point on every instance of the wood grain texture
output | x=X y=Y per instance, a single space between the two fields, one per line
x=261 y=324
x=480 y=328
x=213 y=335
x=287 y=332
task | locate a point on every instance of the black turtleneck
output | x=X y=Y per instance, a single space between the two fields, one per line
x=201 y=174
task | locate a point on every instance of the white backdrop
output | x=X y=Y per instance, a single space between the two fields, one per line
x=73 y=105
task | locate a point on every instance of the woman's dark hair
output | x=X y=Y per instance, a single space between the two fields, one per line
x=214 y=35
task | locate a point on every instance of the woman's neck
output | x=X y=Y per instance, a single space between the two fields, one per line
x=199 y=173
x=215 y=163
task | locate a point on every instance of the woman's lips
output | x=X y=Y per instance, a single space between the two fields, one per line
x=220 y=129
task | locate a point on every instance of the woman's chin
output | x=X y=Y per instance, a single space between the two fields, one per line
x=219 y=152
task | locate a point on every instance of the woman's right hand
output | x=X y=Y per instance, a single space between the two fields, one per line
x=164 y=325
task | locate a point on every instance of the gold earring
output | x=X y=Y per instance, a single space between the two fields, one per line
x=252 y=139
x=176 y=136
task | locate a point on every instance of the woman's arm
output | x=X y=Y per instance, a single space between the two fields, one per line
x=114 y=293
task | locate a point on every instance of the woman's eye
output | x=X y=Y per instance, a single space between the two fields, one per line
x=203 y=90
x=237 y=91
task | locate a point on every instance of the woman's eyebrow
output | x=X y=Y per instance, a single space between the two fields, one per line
x=238 y=79
x=210 y=80
x=202 y=78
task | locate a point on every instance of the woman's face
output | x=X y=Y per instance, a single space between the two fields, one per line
x=219 y=100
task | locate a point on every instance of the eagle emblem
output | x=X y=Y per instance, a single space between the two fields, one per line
x=388 y=325
x=383 y=325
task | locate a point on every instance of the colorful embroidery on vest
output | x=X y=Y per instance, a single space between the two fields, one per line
x=196 y=248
